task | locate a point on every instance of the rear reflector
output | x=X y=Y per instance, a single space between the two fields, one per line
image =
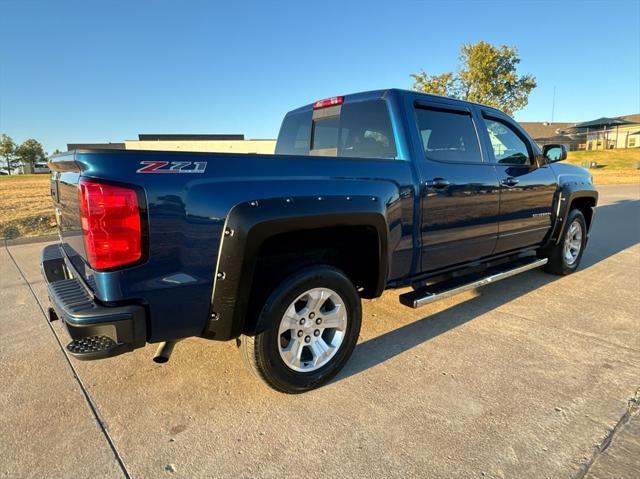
x=336 y=100
x=111 y=224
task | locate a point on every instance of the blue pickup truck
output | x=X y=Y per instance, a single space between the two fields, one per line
x=365 y=192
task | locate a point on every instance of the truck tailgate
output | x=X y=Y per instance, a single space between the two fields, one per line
x=65 y=177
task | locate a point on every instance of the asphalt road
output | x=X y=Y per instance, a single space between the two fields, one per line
x=529 y=377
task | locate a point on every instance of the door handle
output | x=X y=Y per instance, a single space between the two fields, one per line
x=510 y=181
x=438 y=183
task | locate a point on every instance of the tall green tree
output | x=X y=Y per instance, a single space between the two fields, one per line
x=486 y=74
x=7 y=151
x=30 y=152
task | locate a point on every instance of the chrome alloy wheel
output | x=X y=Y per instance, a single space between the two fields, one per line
x=312 y=329
x=572 y=243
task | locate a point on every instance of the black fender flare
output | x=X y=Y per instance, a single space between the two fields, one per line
x=250 y=223
x=567 y=194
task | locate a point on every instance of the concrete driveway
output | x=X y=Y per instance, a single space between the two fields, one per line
x=532 y=377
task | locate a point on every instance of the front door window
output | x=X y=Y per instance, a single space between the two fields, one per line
x=508 y=147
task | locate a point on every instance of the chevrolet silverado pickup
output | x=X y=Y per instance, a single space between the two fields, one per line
x=365 y=192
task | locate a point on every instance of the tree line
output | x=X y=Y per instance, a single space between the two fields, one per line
x=28 y=152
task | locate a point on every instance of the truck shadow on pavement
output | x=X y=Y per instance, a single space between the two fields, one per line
x=616 y=228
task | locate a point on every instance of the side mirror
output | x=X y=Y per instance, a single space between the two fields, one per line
x=554 y=153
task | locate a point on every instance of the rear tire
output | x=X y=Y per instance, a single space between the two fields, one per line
x=564 y=257
x=307 y=330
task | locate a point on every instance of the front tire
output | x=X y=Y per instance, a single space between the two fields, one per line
x=307 y=330
x=564 y=257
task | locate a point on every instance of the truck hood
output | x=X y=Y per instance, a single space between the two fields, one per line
x=567 y=170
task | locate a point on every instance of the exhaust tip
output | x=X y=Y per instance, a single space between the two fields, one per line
x=163 y=353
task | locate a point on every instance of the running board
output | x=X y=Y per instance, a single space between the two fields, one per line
x=451 y=287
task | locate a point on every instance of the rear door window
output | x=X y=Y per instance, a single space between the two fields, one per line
x=448 y=135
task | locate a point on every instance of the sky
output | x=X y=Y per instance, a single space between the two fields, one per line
x=100 y=71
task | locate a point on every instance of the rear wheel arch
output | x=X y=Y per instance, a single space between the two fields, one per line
x=356 y=250
x=281 y=227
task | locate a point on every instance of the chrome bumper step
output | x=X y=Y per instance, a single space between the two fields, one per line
x=453 y=286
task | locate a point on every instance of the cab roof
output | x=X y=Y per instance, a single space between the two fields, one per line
x=381 y=94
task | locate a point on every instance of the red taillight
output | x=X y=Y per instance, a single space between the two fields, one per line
x=111 y=224
x=336 y=100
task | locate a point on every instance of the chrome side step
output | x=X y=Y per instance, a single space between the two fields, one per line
x=429 y=294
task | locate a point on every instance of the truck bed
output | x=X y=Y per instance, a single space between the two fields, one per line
x=186 y=208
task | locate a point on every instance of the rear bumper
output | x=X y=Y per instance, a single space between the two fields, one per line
x=97 y=331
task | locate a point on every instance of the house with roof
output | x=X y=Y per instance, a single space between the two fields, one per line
x=546 y=133
x=601 y=134
x=609 y=133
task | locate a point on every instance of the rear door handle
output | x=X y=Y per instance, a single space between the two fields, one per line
x=438 y=183
x=510 y=181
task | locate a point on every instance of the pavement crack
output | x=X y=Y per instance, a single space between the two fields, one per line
x=633 y=409
x=92 y=405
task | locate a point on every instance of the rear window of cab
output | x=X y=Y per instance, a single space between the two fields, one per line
x=353 y=130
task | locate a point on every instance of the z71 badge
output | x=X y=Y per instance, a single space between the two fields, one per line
x=172 y=167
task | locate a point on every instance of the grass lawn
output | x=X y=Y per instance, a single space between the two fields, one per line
x=614 y=166
x=26 y=208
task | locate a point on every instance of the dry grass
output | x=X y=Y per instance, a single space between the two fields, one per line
x=25 y=206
